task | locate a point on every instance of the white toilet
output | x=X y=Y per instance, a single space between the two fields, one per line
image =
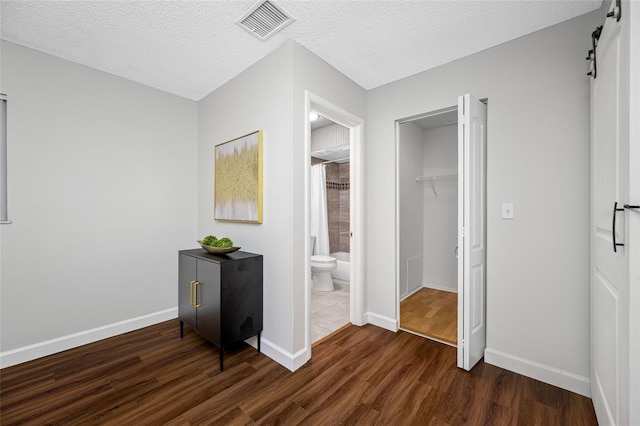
x=321 y=268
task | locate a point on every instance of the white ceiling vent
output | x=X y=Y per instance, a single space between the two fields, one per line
x=264 y=19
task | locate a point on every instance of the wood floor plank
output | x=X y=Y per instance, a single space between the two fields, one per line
x=287 y=412
x=406 y=403
x=432 y=313
x=339 y=403
x=362 y=414
x=359 y=376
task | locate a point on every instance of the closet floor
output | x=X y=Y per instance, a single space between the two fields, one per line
x=432 y=313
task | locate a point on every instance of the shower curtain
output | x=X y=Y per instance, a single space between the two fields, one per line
x=319 y=213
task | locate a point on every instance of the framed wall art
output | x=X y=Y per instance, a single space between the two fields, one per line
x=238 y=179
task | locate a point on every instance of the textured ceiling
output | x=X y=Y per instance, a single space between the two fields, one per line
x=190 y=48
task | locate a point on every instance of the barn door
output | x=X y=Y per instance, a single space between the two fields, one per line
x=610 y=242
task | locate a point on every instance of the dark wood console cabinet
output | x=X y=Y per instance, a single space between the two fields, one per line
x=220 y=296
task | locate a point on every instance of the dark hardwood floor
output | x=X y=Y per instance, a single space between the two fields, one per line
x=360 y=375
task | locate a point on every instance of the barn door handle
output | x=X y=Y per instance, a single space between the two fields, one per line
x=613 y=227
x=627 y=206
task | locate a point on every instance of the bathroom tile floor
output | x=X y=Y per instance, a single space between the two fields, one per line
x=329 y=311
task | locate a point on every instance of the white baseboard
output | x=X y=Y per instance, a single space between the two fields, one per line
x=283 y=357
x=551 y=375
x=404 y=296
x=297 y=360
x=381 y=321
x=431 y=286
x=49 y=347
x=440 y=287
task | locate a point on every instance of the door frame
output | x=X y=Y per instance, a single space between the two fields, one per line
x=355 y=124
x=633 y=223
x=451 y=108
x=454 y=107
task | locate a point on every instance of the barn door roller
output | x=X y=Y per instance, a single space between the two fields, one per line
x=616 y=12
x=595 y=36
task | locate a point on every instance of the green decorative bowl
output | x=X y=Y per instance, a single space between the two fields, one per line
x=218 y=250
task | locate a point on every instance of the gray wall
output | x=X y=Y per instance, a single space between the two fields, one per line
x=538 y=158
x=427 y=224
x=108 y=179
x=98 y=161
x=411 y=215
x=441 y=212
x=102 y=194
x=257 y=99
x=270 y=96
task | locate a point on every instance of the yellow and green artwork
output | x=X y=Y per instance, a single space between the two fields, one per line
x=238 y=179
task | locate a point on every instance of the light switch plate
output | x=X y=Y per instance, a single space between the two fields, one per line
x=507 y=210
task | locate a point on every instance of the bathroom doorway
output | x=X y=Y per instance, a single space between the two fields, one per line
x=330 y=226
x=344 y=160
x=441 y=226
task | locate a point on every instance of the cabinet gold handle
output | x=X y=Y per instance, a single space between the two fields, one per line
x=191 y=293
x=195 y=292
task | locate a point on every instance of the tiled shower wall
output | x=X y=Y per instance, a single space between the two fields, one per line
x=338 y=198
x=338 y=204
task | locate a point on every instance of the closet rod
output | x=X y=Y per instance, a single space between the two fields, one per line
x=432 y=179
x=436 y=177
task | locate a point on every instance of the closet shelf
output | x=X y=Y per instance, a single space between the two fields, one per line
x=434 y=179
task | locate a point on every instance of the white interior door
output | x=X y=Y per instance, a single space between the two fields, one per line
x=472 y=148
x=610 y=262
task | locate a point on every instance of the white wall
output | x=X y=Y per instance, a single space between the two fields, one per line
x=102 y=195
x=270 y=96
x=441 y=212
x=538 y=158
x=411 y=213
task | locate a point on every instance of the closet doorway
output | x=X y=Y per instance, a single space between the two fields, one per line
x=428 y=196
x=441 y=198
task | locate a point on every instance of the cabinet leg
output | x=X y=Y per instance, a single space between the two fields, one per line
x=181 y=329
x=258 y=342
x=221 y=357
